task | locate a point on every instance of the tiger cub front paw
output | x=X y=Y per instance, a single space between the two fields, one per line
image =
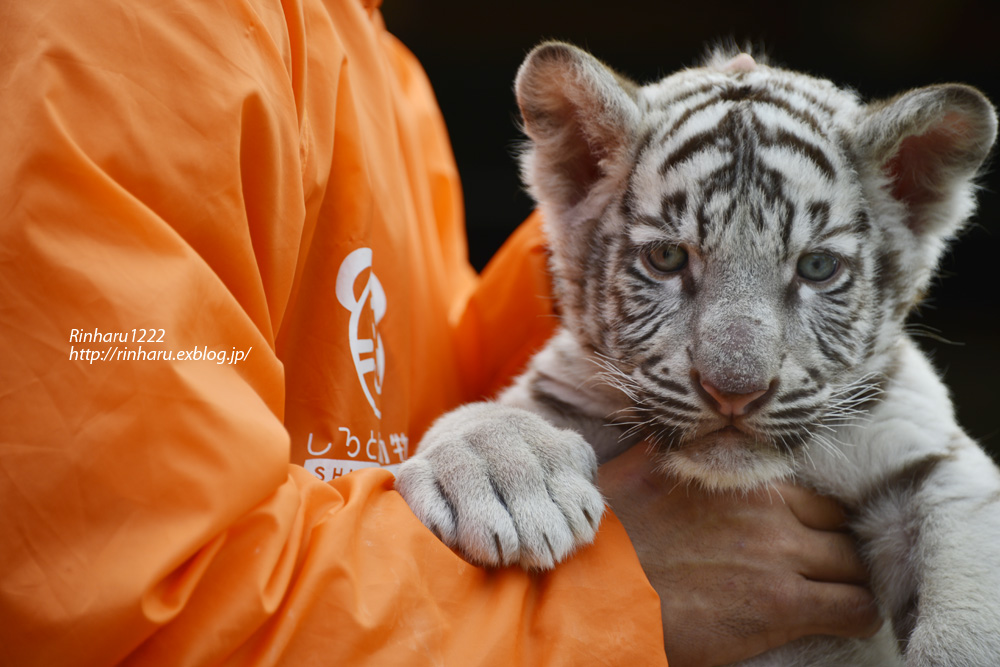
x=502 y=486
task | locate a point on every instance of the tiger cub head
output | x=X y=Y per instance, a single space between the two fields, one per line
x=739 y=245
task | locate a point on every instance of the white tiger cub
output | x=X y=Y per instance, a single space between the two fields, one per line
x=735 y=250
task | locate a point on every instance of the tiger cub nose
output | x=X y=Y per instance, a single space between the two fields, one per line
x=735 y=405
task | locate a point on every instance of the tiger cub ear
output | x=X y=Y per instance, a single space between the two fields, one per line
x=582 y=119
x=928 y=143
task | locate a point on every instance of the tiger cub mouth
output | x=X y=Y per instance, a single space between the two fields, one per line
x=727 y=453
x=727 y=458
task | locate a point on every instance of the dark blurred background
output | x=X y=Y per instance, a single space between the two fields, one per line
x=471 y=51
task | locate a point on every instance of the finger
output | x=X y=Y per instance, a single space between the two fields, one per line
x=636 y=457
x=841 y=610
x=812 y=509
x=832 y=557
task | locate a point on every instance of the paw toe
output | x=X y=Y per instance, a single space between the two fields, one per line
x=427 y=499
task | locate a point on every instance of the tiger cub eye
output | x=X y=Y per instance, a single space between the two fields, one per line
x=666 y=258
x=817 y=266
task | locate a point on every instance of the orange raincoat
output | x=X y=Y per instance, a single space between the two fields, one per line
x=232 y=270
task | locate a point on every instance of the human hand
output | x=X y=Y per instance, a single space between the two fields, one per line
x=739 y=575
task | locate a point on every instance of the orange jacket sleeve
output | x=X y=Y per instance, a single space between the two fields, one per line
x=232 y=269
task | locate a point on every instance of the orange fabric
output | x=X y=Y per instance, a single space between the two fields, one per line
x=494 y=343
x=270 y=181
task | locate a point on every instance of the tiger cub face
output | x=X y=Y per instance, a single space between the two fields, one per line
x=738 y=245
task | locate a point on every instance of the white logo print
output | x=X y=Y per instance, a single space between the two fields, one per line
x=366 y=346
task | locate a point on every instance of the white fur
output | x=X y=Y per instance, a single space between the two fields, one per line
x=505 y=486
x=530 y=502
